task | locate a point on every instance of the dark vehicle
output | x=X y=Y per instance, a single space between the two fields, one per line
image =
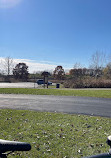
x=41 y=81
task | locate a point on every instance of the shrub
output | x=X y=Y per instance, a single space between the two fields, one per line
x=87 y=83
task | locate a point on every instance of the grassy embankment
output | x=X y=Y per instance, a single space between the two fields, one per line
x=65 y=92
x=56 y=135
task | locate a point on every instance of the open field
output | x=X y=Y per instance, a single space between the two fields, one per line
x=61 y=92
x=55 y=134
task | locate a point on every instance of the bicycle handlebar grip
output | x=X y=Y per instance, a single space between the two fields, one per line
x=109 y=141
x=6 y=145
x=106 y=155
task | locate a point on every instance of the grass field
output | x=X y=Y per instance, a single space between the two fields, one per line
x=55 y=135
x=65 y=92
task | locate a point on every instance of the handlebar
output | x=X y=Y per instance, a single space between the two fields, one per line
x=105 y=155
x=11 y=146
x=6 y=146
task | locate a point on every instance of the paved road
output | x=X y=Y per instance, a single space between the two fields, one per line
x=18 y=85
x=66 y=104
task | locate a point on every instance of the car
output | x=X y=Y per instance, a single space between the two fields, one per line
x=41 y=81
x=49 y=83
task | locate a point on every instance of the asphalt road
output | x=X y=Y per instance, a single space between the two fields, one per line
x=19 y=85
x=65 y=104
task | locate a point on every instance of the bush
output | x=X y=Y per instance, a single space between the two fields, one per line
x=87 y=83
x=100 y=83
x=73 y=83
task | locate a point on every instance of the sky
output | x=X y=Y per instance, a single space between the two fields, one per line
x=47 y=33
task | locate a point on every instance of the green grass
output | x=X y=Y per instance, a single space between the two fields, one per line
x=55 y=135
x=65 y=92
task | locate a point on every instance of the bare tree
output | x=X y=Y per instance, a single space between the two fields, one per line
x=107 y=71
x=98 y=61
x=109 y=58
x=8 y=65
x=77 y=66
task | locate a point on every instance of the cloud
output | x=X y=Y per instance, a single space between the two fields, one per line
x=35 y=66
x=9 y=3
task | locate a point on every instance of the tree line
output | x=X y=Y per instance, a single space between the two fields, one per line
x=98 y=74
x=19 y=72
